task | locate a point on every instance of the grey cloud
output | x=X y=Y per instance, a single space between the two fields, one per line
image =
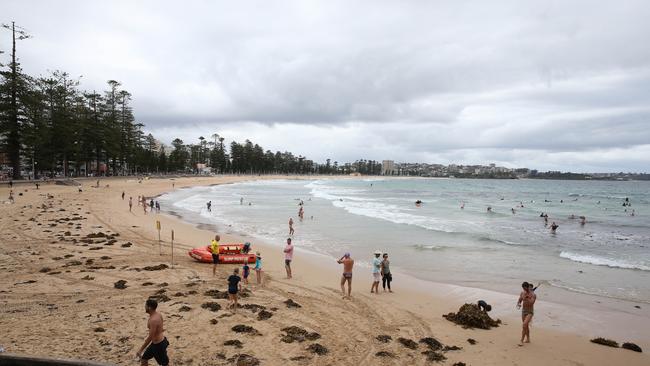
x=415 y=80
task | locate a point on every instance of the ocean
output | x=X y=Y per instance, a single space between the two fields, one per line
x=440 y=241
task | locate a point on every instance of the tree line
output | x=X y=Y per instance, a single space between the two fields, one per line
x=49 y=126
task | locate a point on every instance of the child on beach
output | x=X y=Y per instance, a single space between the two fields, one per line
x=258 y=268
x=246 y=270
x=234 y=286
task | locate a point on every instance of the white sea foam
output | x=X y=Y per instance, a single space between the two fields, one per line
x=601 y=261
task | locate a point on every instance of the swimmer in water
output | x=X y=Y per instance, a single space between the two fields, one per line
x=554 y=227
x=489 y=209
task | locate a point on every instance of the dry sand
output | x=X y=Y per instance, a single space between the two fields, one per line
x=57 y=295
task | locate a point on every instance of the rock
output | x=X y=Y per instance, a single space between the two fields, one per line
x=45 y=269
x=292 y=304
x=385 y=354
x=459 y=364
x=126 y=245
x=233 y=342
x=605 y=342
x=471 y=316
x=241 y=328
x=631 y=347
x=88 y=278
x=434 y=356
x=184 y=308
x=156 y=268
x=214 y=321
x=471 y=341
x=317 y=349
x=163 y=284
x=408 y=343
x=121 y=284
x=212 y=306
x=179 y=294
x=147 y=284
x=99 y=330
x=264 y=315
x=384 y=338
x=433 y=343
x=105 y=257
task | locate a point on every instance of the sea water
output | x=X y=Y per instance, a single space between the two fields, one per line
x=440 y=241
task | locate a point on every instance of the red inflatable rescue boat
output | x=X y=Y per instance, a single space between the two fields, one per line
x=228 y=254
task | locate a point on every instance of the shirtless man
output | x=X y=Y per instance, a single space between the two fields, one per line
x=291 y=231
x=156 y=341
x=527 y=299
x=347 y=263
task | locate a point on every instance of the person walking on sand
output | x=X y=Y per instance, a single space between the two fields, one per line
x=214 y=249
x=386 y=276
x=376 y=266
x=291 y=231
x=123 y=195
x=288 y=257
x=130 y=203
x=234 y=286
x=156 y=343
x=246 y=270
x=526 y=302
x=258 y=267
x=347 y=263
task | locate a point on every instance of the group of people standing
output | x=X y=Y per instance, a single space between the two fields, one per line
x=380 y=272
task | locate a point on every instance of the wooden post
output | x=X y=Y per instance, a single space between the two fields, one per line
x=159 y=244
x=172 y=248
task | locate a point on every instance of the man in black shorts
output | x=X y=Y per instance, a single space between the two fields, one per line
x=156 y=341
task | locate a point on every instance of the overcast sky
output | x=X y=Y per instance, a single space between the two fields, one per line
x=559 y=85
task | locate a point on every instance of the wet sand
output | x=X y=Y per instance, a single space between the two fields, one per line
x=62 y=259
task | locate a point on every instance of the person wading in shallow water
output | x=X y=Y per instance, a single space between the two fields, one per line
x=156 y=341
x=526 y=302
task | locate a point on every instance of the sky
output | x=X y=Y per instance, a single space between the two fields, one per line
x=549 y=85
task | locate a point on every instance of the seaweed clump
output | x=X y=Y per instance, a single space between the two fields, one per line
x=471 y=316
x=631 y=347
x=605 y=342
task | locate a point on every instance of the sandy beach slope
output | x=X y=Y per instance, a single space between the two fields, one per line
x=58 y=295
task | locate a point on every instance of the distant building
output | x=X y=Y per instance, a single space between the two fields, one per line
x=387 y=167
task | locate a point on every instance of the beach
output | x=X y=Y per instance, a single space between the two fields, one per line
x=62 y=255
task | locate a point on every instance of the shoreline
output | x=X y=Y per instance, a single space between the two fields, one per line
x=410 y=311
x=577 y=312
